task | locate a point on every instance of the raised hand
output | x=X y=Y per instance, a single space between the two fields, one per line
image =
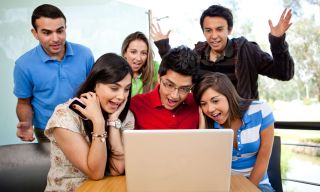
x=25 y=131
x=156 y=33
x=93 y=109
x=283 y=24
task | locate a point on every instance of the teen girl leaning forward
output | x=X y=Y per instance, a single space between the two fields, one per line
x=251 y=121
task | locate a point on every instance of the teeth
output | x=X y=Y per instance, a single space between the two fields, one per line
x=214 y=115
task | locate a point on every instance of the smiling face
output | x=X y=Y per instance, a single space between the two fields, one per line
x=51 y=34
x=215 y=30
x=136 y=55
x=215 y=105
x=172 y=99
x=111 y=96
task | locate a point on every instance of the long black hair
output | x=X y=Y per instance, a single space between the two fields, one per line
x=108 y=69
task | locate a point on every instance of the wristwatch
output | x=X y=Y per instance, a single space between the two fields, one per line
x=115 y=123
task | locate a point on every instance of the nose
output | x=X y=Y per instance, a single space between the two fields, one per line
x=55 y=37
x=122 y=95
x=175 y=93
x=211 y=107
x=213 y=35
x=139 y=57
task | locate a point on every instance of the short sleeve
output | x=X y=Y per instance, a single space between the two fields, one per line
x=22 y=82
x=267 y=116
x=63 y=117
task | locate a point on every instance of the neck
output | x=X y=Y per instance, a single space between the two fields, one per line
x=214 y=55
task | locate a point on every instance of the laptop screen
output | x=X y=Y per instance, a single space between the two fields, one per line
x=178 y=160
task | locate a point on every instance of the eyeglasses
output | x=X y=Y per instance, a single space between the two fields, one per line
x=171 y=87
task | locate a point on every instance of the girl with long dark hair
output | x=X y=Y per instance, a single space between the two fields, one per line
x=91 y=146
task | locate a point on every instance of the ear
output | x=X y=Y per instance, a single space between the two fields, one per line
x=230 y=30
x=34 y=33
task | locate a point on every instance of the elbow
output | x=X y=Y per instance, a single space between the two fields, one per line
x=96 y=177
x=288 y=77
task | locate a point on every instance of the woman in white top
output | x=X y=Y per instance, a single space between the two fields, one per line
x=91 y=146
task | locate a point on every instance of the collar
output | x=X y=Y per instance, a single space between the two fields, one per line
x=156 y=100
x=138 y=77
x=227 y=52
x=245 y=120
x=45 y=57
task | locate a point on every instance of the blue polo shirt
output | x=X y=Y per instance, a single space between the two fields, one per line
x=49 y=82
x=258 y=117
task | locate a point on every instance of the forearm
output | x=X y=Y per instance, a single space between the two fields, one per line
x=163 y=46
x=97 y=156
x=283 y=62
x=260 y=167
x=24 y=111
x=262 y=161
x=117 y=152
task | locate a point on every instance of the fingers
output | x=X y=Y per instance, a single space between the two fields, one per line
x=286 y=16
x=168 y=33
x=283 y=14
x=270 y=23
x=28 y=137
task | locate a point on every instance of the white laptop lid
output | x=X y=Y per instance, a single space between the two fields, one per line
x=178 y=160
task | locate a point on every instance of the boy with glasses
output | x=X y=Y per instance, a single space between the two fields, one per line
x=170 y=105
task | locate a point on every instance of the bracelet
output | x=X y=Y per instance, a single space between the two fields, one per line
x=101 y=137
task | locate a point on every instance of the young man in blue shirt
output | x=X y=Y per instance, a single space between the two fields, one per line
x=48 y=74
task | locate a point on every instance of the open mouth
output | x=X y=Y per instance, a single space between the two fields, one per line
x=172 y=103
x=216 y=116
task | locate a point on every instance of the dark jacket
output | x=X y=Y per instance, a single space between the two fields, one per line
x=249 y=61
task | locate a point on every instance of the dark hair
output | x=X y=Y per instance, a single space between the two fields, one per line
x=222 y=84
x=46 y=10
x=217 y=11
x=108 y=69
x=147 y=70
x=181 y=60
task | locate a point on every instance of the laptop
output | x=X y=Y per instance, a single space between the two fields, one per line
x=178 y=160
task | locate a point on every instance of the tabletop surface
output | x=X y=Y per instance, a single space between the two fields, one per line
x=239 y=183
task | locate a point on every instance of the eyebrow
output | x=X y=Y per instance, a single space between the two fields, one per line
x=215 y=97
x=176 y=84
x=48 y=30
x=129 y=85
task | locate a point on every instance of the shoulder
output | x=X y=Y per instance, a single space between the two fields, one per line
x=63 y=117
x=260 y=106
x=139 y=97
x=190 y=100
x=200 y=46
x=242 y=41
x=27 y=56
x=142 y=102
x=79 y=48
